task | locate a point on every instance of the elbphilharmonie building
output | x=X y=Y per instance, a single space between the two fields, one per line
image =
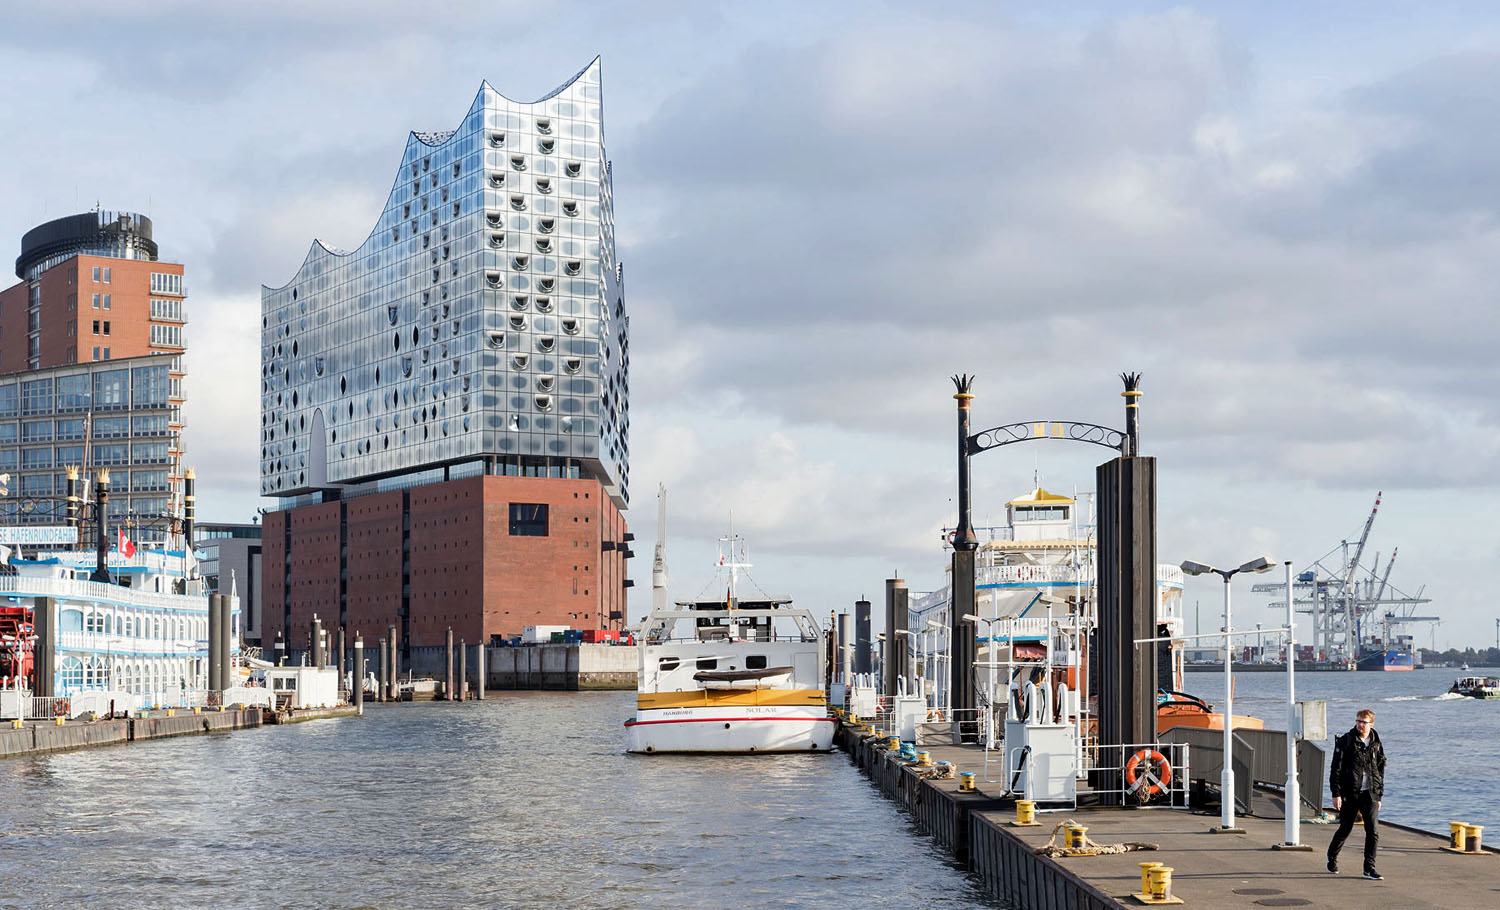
x=467 y=365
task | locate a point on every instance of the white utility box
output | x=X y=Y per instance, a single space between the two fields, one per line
x=1041 y=762
x=906 y=712
x=863 y=702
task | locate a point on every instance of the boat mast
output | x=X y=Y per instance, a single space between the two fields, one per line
x=659 y=563
x=728 y=559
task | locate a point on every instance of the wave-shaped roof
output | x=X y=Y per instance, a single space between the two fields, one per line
x=430 y=139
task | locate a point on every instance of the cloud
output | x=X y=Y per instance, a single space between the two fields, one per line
x=825 y=210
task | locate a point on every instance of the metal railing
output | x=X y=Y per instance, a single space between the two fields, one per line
x=45 y=707
x=19 y=586
x=1142 y=774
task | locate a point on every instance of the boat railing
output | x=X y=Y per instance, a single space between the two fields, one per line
x=69 y=588
x=104 y=641
x=1030 y=575
x=697 y=639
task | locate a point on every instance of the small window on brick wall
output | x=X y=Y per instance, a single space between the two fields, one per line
x=528 y=519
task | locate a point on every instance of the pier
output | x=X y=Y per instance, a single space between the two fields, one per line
x=1209 y=869
x=39 y=737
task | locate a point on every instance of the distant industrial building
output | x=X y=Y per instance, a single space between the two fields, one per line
x=444 y=411
x=230 y=561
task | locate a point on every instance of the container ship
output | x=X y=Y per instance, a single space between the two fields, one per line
x=1397 y=656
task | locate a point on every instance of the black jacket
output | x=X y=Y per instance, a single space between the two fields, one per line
x=1350 y=759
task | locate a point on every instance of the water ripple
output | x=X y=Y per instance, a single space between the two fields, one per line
x=522 y=801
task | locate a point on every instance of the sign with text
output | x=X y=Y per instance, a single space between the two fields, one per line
x=39 y=535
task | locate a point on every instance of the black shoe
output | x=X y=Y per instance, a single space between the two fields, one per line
x=1374 y=876
x=1333 y=866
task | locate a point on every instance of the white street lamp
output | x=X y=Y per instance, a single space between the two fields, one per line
x=1293 y=791
x=989 y=695
x=1226 y=778
x=938 y=689
x=906 y=668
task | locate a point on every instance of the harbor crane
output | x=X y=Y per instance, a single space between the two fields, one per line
x=1345 y=598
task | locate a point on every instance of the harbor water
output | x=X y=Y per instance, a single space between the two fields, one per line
x=1442 y=751
x=526 y=800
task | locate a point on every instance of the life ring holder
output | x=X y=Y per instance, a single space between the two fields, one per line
x=1147 y=782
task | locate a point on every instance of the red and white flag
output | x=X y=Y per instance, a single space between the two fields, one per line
x=126 y=546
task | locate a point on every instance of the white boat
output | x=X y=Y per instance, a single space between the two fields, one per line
x=1476 y=686
x=731 y=674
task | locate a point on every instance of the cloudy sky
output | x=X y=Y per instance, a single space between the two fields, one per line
x=1285 y=218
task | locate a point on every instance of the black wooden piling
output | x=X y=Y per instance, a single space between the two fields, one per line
x=339 y=654
x=393 y=684
x=448 y=665
x=479 y=671
x=315 y=643
x=385 y=659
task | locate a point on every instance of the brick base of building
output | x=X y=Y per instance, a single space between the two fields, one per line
x=484 y=556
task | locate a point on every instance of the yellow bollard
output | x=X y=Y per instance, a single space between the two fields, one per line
x=1476 y=838
x=1025 y=812
x=197 y=710
x=17 y=723
x=966 y=782
x=1160 y=878
x=1146 y=877
x=59 y=721
x=924 y=758
x=1074 y=837
x=1457 y=836
x=893 y=743
x=171 y=712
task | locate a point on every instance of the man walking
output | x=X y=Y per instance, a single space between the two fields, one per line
x=1357 y=782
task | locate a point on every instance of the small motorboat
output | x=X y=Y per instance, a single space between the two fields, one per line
x=1477 y=686
x=1179 y=709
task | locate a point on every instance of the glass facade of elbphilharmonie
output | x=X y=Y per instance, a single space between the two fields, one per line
x=481 y=326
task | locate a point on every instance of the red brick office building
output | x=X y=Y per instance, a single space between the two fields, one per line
x=91 y=289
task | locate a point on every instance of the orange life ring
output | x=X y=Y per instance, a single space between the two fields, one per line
x=1159 y=761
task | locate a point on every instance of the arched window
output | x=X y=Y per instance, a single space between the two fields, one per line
x=70 y=675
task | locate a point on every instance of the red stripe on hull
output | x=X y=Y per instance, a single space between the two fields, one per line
x=723 y=720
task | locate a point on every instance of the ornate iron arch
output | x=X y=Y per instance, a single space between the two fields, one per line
x=1026 y=431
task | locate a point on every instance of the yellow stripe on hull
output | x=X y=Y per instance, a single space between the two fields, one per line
x=713 y=698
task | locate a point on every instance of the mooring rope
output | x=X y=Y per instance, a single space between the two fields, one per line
x=1089 y=848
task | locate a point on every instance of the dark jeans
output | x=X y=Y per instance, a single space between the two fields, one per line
x=1357 y=805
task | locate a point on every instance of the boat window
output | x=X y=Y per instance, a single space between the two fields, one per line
x=708 y=663
x=755 y=662
x=667 y=663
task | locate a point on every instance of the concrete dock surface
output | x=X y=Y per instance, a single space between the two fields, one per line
x=1210 y=869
